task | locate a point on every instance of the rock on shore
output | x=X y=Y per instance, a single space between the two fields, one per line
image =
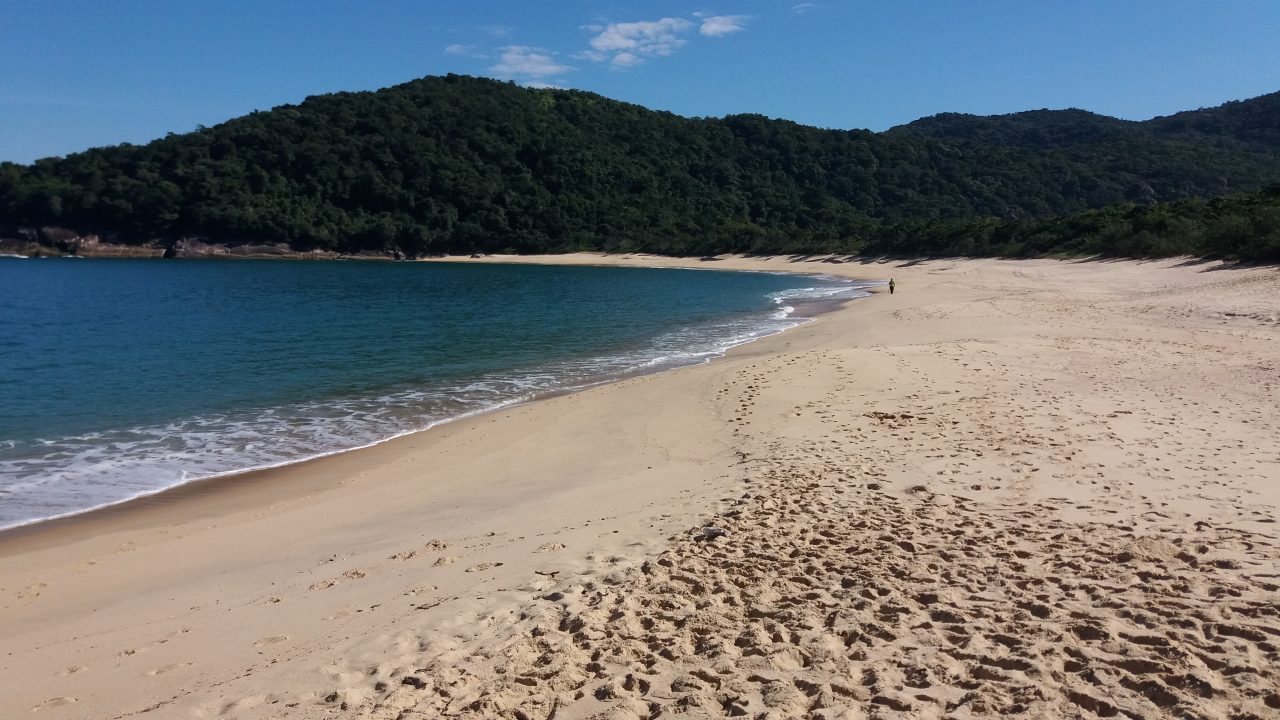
x=64 y=242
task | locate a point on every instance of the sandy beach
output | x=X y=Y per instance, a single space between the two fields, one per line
x=1034 y=488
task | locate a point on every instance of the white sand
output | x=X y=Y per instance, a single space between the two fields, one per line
x=1039 y=488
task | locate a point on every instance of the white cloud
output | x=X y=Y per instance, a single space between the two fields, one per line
x=522 y=61
x=629 y=44
x=464 y=50
x=626 y=60
x=540 y=85
x=720 y=25
x=803 y=8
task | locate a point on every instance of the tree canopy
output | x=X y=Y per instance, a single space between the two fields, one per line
x=448 y=164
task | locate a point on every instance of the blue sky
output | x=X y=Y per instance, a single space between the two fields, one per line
x=79 y=74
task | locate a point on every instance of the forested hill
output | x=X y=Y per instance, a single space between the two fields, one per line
x=1038 y=129
x=459 y=164
x=1251 y=124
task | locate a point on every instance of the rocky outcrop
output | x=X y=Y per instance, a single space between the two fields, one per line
x=93 y=246
x=62 y=242
x=197 y=248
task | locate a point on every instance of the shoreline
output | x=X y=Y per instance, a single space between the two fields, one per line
x=806 y=309
x=963 y=496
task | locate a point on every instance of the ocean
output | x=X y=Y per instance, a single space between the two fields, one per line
x=121 y=378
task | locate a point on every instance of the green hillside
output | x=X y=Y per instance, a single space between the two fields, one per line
x=459 y=164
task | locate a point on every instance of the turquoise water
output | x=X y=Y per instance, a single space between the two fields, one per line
x=120 y=378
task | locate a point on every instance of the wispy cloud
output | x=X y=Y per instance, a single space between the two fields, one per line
x=626 y=60
x=631 y=43
x=528 y=64
x=802 y=8
x=628 y=44
x=621 y=45
x=720 y=25
x=464 y=50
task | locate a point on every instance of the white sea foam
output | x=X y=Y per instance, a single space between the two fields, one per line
x=56 y=477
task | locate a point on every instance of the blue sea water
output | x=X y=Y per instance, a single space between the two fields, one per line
x=120 y=378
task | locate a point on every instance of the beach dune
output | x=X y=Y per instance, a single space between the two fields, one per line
x=1035 y=488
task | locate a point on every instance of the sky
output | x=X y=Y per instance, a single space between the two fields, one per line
x=75 y=75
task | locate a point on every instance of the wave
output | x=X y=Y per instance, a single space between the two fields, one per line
x=57 y=477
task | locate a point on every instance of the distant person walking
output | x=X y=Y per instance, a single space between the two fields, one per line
x=892 y=285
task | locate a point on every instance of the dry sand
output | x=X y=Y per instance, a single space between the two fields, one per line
x=1041 y=488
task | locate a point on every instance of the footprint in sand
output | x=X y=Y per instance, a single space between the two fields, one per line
x=32 y=591
x=444 y=560
x=128 y=652
x=169 y=668
x=54 y=703
x=550 y=547
x=483 y=566
x=354 y=574
x=271 y=640
x=322 y=585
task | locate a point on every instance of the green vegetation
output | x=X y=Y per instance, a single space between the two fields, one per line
x=457 y=164
x=1240 y=227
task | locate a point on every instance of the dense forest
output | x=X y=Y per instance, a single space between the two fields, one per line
x=460 y=164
